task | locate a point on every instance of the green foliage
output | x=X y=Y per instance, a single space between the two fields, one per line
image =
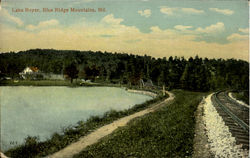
x=71 y=71
x=34 y=148
x=30 y=148
x=194 y=74
x=168 y=132
x=242 y=96
x=38 y=83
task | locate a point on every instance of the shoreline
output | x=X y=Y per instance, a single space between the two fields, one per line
x=105 y=130
x=121 y=113
x=144 y=92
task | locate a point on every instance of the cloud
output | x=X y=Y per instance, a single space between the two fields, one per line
x=43 y=24
x=169 y=34
x=106 y=36
x=87 y=0
x=192 y=11
x=167 y=10
x=182 y=27
x=237 y=37
x=246 y=30
x=171 y=11
x=215 y=28
x=80 y=1
x=222 y=11
x=109 y=19
x=133 y=41
x=90 y=36
x=5 y=15
x=146 y=12
x=155 y=29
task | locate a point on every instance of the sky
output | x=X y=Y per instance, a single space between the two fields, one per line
x=211 y=28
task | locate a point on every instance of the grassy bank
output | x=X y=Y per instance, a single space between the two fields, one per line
x=40 y=83
x=34 y=148
x=169 y=132
x=242 y=96
x=76 y=83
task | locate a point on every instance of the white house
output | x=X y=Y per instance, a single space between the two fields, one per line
x=29 y=72
x=35 y=73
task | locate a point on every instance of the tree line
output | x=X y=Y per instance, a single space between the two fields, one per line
x=195 y=73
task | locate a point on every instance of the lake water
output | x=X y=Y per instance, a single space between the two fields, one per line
x=41 y=111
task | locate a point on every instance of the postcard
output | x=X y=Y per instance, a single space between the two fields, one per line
x=124 y=78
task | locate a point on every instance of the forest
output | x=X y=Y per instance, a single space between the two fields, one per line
x=194 y=73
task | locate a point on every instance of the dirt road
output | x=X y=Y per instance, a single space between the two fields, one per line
x=2 y=155
x=103 y=131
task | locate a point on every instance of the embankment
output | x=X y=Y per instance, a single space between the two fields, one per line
x=142 y=92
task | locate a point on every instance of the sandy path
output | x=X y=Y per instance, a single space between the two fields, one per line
x=103 y=131
x=2 y=155
x=201 y=145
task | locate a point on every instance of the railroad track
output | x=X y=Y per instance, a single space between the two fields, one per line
x=235 y=116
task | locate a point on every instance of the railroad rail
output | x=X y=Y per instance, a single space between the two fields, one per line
x=235 y=116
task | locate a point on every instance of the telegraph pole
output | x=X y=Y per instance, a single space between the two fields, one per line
x=163 y=90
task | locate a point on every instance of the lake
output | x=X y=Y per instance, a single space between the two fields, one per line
x=41 y=111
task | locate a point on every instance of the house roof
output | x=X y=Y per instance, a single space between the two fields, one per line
x=34 y=69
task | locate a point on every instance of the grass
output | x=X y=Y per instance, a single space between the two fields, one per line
x=168 y=132
x=49 y=83
x=34 y=148
x=76 y=83
x=242 y=96
x=36 y=83
x=60 y=83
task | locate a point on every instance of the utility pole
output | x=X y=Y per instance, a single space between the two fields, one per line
x=163 y=90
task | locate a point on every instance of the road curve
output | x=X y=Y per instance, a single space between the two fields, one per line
x=95 y=136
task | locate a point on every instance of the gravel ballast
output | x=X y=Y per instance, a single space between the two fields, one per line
x=238 y=101
x=221 y=142
x=201 y=146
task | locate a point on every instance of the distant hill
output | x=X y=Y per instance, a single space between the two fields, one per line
x=195 y=74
